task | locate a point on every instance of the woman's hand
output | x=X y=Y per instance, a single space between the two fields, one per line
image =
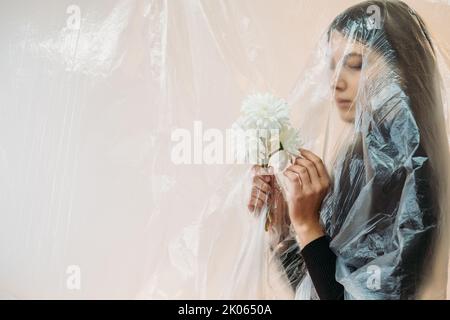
x=307 y=184
x=261 y=192
x=265 y=190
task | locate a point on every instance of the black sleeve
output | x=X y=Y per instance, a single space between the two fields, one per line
x=321 y=264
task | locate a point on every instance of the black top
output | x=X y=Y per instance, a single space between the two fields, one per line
x=408 y=261
x=321 y=264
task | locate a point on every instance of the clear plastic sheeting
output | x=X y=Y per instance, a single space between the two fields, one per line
x=96 y=97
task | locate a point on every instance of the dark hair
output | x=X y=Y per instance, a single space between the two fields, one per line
x=404 y=41
x=402 y=38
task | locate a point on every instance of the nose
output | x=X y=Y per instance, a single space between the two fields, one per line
x=338 y=83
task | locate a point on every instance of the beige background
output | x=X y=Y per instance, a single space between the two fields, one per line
x=86 y=117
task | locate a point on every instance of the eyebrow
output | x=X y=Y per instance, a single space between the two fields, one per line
x=351 y=55
x=348 y=56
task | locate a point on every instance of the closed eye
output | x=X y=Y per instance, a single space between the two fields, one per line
x=353 y=61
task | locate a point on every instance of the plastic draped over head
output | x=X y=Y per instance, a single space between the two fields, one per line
x=386 y=213
x=370 y=105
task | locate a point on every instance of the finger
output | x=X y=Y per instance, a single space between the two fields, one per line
x=318 y=163
x=254 y=170
x=253 y=208
x=292 y=176
x=274 y=185
x=309 y=165
x=263 y=175
x=261 y=184
x=254 y=205
x=259 y=194
x=257 y=203
x=303 y=173
x=258 y=170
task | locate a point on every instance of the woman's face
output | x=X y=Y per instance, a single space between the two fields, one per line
x=346 y=63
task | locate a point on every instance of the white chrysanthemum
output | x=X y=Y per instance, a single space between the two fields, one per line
x=264 y=111
x=290 y=140
x=266 y=127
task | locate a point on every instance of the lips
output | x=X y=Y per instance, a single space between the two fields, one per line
x=343 y=103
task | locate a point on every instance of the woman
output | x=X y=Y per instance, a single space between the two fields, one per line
x=373 y=230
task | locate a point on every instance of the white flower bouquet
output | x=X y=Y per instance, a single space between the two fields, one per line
x=270 y=139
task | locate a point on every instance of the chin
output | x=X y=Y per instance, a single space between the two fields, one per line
x=347 y=117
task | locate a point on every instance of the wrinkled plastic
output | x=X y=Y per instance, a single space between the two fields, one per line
x=93 y=206
x=387 y=209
